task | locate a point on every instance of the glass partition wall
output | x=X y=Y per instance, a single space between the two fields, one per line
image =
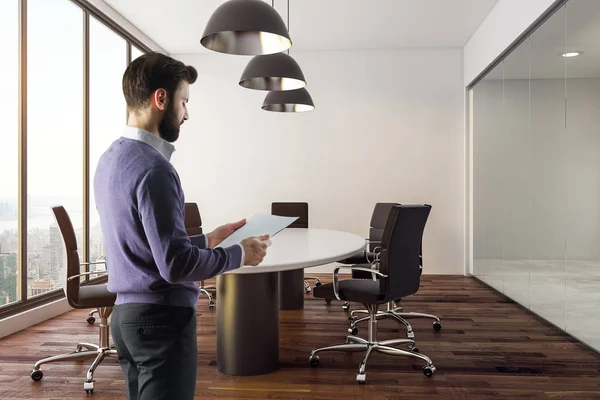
x=536 y=171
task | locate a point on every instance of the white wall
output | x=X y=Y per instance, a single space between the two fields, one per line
x=387 y=127
x=557 y=169
x=507 y=20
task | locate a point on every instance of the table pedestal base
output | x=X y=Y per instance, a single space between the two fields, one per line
x=291 y=289
x=247 y=323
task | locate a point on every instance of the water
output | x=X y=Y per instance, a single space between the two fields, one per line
x=44 y=222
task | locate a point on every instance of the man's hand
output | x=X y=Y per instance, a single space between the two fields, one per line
x=255 y=249
x=223 y=232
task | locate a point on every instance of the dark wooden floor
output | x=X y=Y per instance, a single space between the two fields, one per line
x=489 y=348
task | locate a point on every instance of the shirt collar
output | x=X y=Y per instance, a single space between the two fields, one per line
x=159 y=144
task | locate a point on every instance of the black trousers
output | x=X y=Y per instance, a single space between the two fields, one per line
x=157 y=349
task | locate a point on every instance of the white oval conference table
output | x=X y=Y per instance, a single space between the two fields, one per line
x=248 y=301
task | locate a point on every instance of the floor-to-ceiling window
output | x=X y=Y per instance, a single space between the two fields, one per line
x=9 y=153
x=61 y=107
x=536 y=171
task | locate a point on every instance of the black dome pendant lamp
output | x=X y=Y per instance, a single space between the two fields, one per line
x=246 y=27
x=297 y=100
x=274 y=71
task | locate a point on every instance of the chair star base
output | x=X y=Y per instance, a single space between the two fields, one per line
x=355 y=343
x=92 y=351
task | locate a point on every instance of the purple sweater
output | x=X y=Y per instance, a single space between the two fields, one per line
x=149 y=256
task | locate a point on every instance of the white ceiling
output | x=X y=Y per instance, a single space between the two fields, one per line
x=177 y=25
x=575 y=27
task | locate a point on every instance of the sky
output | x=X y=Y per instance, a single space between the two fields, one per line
x=55 y=97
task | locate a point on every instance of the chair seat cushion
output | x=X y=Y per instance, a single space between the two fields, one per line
x=93 y=296
x=360 y=291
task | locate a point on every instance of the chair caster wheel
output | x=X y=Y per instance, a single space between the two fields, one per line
x=318 y=284
x=353 y=330
x=437 y=326
x=428 y=370
x=88 y=387
x=328 y=300
x=361 y=378
x=345 y=307
x=351 y=319
x=91 y=320
x=211 y=304
x=37 y=375
x=415 y=349
x=313 y=361
x=308 y=290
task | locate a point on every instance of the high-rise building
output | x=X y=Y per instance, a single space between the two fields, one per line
x=40 y=286
x=45 y=263
x=57 y=253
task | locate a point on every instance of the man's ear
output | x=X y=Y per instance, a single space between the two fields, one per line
x=159 y=99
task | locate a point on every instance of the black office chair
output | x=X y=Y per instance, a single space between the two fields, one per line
x=364 y=259
x=82 y=297
x=398 y=270
x=377 y=225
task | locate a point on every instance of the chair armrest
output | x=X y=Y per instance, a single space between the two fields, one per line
x=87 y=273
x=336 y=284
x=369 y=242
x=375 y=254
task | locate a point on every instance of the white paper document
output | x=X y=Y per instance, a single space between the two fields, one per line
x=258 y=225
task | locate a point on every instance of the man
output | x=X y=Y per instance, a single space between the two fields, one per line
x=152 y=263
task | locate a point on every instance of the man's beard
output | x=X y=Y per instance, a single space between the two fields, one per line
x=168 y=128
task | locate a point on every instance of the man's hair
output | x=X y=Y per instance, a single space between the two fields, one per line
x=154 y=71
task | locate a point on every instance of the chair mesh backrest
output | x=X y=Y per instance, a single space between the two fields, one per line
x=401 y=249
x=299 y=210
x=192 y=220
x=378 y=221
x=73 y=268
